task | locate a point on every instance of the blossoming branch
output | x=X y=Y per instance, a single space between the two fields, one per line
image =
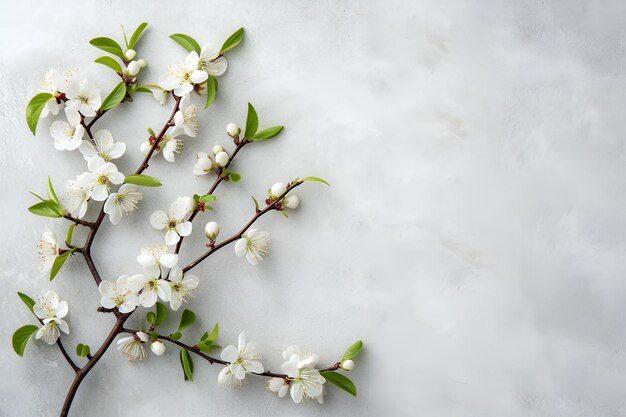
x=160 y=283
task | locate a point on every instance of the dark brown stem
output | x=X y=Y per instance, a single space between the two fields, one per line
x=78 y=221
x=236 y=236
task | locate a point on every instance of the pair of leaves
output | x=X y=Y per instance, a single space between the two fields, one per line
x=207 y=341
x=143 y=180
x=21 y=337
x=252 y=124
x=34 y=109
x=187 y=365
x=114 y=48
x=50 y=207
x=190 y=44
x=82 y=350
x=157 y=317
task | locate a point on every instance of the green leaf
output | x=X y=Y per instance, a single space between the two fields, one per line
x=176 y=336
x=82 y=350
x=38 y=196
x=27 y=300
x=339 y=380
x=136 y=34
x=143 y=180
x=58 y=263
x=207 y=198
x=108 y=45
x=233 y=40
x=352 y=351
x=208 y=346
x=46 y=208
x=70 y=233
x=252 y=122
x=150 y=317
x=21 y=336
x=110 y=62
x=187 y=364
x=161 y=313
x=314 y=179
x=125 y=38
x=154 y=335
x=142 y=89
x=234 y=177
x=51 y=194
x=34 y=108
x=186 y=320
x=211 y=91
x=213 y=336
x=256 y=203
x=268 y=133
x=115 y=97
x=186 y=42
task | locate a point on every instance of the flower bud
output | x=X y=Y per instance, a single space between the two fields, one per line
x=133 y=68
x=130 y=54
x=203 y=165
x=278 y=189
x=217 y=149
x=157 y=347
x=211 y=230
x=233 y=130
x=141 y=62
x=347 y=365
x=222 y=159
x=292 y=201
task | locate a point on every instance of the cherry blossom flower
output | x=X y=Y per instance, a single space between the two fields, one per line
x=119 y=294
x=97 y=181
x=122 y=203
x=75 y=199
x=170 y=145
x=67 y=135
x=254 y=245
x=186 y=118
x=174 y=221
x=182 y=285
x=51 y=311
x=83 y=98
x=184 y=75
x=103 y=146
x=306 y=381
x=242 y=359
x=49 y=85
x=150 y=287
x=156 y=261
x=131 y=347
x=48 y=250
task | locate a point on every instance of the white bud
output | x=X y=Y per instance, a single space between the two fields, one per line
x=157 y=347
x=142 y=62
x=222 y=159
x=217 y=149
x=130 y=54
x=203 y=165
x=278 y=189
x=292 y=201
x=348 y=365
x=211 y=230
x=133 y=68
x=233 y=130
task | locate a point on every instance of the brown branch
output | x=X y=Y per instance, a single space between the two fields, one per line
x=236 y=236
x=78 y=221
x=67 y=357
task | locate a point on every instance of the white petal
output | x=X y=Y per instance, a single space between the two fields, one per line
x=229 y=353
x=171 y=237
x=241 y=247
x=183 y=89
x=61 y=309
x=169 y=260
x=199 y=76
x=106 y=288
x=159 y=220
x=296 y=392
x=184 y=228
x=99 y=192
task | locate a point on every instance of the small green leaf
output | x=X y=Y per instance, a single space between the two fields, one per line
x=51 y=194
x=186 y=42
x=233 y=40
x=154 y=335
x=213 y=336
x=136 y=34
x=339 y=380
x=151 y=131
x=58 y=263
x=34 y=108
x=352 y=351
x=314 y=179
x=115 y=97
x=234 y=177
x=208 y=346
x=46 y=208
x=82 y=350
x=161 y=313
x=186 y=320
x=207 y=198
x=187 y=364
x=108 y=45
x=143 y=180
x=38 y=196
x=211 y=91
x=252 y=122
x=110 y=62
x=125 y=38
x=150 y=317
x=21 y=336
x=70 y=233
x=268 y=133
x=176 y=336
x=256 y=203
x=27 y=300
x=142 y=89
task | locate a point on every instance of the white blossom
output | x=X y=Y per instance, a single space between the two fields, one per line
x=122 y=203
x=74 y=199
x=169 y=144
x=131 y=347
x=83 y=98
x=103 y=146
x=184 y=75
x=48 y=250
x=150 y=287
x=306 y=381
x=118 y=294
x=242 y=359
x=156 y=261
x=97 y=181
x=278 y=385
x=203 y=164
x=186 y=118
x=182 y=285
x=51 y=311
x=67 y=135
x=49 y=85
x=174 y=220
x=254 y=245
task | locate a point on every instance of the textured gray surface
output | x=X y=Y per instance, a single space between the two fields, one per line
x=473 y=236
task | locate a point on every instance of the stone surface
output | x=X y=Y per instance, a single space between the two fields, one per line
x=473 y=235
